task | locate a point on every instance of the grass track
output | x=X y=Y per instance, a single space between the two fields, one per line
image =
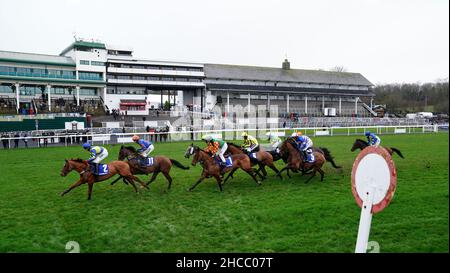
x=279 y=216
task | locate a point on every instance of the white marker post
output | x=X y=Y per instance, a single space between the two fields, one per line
x=365 y=222
x=374 y=180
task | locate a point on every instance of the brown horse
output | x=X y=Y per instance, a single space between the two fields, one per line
x=212 y=169
x=263 y=158
x=296 y=162
x=361 y=144
x=324 y=151
x=82 y=167
x=161 y=164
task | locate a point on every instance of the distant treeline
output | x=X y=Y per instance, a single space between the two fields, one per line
x=413 y=97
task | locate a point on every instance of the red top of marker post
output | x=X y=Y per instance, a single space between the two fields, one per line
x=369 y=166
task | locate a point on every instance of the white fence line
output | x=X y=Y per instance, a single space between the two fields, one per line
x=230 y=134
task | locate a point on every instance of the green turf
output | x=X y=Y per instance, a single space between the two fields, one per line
x=279 y=216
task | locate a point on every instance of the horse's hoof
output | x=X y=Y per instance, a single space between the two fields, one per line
x=62 y=194
x=189 y=189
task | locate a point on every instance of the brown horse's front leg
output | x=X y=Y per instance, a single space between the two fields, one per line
x=153 y=177
x=256 y=172
x=263 y=169
x=272 y=166
x=230 y=174
x=198 y=181
x=219 y=181
x=311 y=177
x=90 y=185
x=252 y=174
x=131 y=181
x=74 y=185
x=287 y=167
x=140 y=182
x=117 y=179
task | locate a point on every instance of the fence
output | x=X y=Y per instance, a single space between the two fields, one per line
x=69 y=139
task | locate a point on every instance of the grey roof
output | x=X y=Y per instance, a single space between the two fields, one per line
x=223 y=71
x=35 y=58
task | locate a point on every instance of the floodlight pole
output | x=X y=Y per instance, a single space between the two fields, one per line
x=365 y=222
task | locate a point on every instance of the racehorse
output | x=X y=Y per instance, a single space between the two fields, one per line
x=212 y=169
x=160 y=164
x=324 y=151
x=263 y=158
x=361 y=144
x=82 y=167
x=296 y=162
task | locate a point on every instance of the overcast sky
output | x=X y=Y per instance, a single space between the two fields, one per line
x=385 y=40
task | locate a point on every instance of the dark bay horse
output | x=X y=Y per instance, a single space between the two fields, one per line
x=82 y=167
x=212 y=169
x=264 y=159
x=296 y=162
x=162 y=164
x=361 y=144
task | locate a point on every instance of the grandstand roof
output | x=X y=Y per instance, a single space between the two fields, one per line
x=32 y=58
x=223 y=71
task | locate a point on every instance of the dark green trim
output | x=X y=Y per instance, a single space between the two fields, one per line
x=32 y=79
x=35 y=62
x=90 y=44
x=83 y=44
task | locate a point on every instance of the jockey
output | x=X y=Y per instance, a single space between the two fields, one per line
x=295 y=134
x=305 y=145
x=216 y=147
x=97 y=155
x=146 y=146
x=275 y=141
x=250 y=143
x=372 y=139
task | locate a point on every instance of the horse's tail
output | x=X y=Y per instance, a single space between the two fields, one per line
x=329 y=157
x=178 y=164
x=397 y=151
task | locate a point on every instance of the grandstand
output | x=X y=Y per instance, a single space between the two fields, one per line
x=107 y=83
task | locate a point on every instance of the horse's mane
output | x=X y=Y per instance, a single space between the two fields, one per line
x=290 y=141
x=131 y=148
x=196 y=148
x=77 y=160
x=234 y=145
x=361 y=140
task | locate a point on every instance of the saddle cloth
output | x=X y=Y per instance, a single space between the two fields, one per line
x=228 y=161
x=102 y=169
x=149 y=161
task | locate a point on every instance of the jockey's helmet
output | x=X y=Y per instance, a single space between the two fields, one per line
x=367 y=133
x=294 y=134
x=299 y=133
x=244 y=134
x=207 y=137
x=86 y=146
x=135 y=138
